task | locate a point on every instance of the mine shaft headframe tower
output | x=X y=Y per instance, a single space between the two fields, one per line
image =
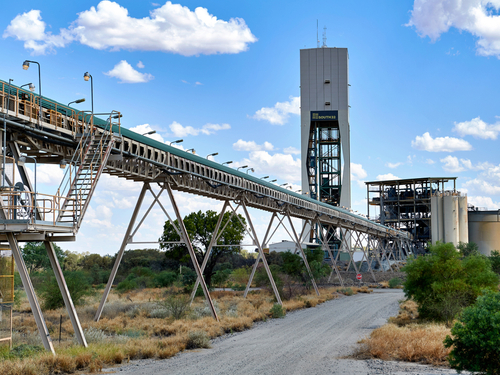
x=325 y=139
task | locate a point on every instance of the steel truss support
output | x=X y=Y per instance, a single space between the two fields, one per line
x=181 y=230
x=324 y=241
x=73 y=316
x=30 y=293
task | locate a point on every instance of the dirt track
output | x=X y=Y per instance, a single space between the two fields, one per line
x=309 y=341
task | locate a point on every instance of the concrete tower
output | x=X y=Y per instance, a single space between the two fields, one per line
x=325 y=139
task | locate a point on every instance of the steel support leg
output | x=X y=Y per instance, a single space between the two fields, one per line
x=189 y=245
x=30 y=293
x=261 y=253
x=213 y=241
x=304 y=258
x=119 y=256
x=73 y=316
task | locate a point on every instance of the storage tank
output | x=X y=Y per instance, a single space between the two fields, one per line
x=484 y=230
x=463 y=222
x=450 y=210
x=437 y=232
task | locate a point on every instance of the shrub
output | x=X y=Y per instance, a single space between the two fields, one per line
x=241 y=275
x=476 y=337
x=198 y=339
x=443 y=284
x=495 y=261
x=347 y=291
x=177 y=306
x=78 y=287
x=220 y=277
x=394 y=282
x=165 y=279
x=277 y=311
x=25 y=350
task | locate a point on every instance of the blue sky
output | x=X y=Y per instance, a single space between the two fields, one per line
x=225 y=78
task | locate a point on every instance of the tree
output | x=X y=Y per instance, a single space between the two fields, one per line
x=468 y=249
x=476 y=337
x=36 y=258
x=200 y=227
x=495 y=261
x=443 y=284
x=78 y=287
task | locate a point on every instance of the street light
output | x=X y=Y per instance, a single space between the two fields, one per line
x=250 y=169
x=177 y=141
x=86 y=77
x=227 y=162
x=214 y=154
x=286 y=183
x=263 y=178
x=31 y=86
x=150 y=132
x=245 y=166
x=298 y=191
x=26 y=65
x=273 y=180
x=192 y=150
x=77 y=101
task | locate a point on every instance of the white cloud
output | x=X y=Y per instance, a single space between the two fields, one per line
x=452 y=164
x=387 y=176
x=433 y=18
x=279 y=114
x=291 y=150
x=282 y=166
x=393 y=165
x=49 y=174
x=146 y=128
x=477 y=128
x=486 y=202
x=198 y=83
x=29 y=28
x=181 y=131
x=440 y=144
x=486 y=183
x=430 y=161
x=140 y=65
x=242 y=145
x=126 y=74
x=169 y=28
x=358 y=174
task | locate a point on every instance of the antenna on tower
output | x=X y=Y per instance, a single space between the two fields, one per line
x=317 y=35
x=324 y=37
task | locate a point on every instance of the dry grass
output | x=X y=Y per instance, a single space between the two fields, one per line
x=404 y=339
x=412 y=343
x=126 y=331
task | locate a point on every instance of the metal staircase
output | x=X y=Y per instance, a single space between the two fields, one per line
x=83 y=173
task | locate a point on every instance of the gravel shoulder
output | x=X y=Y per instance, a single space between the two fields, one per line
x=310 y=341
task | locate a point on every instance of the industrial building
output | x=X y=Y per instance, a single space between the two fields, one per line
x=324 y=101
x=484 y=229
x=430 y=208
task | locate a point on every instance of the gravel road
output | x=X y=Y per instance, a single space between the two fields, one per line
x=310 y=341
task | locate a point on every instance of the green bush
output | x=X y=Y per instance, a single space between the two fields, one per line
x=78 y=287
x=177 y=306
x=220 y=277
x=346 y=291
x=277 y=311
x=476 y=337
x=443 y=284
x=495 y=261
x=394 y=282
x=165 y=279
x=198 y=339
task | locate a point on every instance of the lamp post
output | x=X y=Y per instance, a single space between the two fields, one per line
x=250 y=169
x=245 y=166
x=4 y=142
x=31 y=86
x=192 y=150
x=214 y=154
x=273 y=180
x=86 y=77
x=263 y=178
x=77 y=101
x=26 y=65
x=227 y=162
x=286 y=183
x=177 y=141
x=150 y=132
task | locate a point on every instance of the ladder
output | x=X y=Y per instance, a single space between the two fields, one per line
x=82 y=174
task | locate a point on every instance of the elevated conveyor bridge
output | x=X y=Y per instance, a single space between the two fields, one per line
x=91 y=144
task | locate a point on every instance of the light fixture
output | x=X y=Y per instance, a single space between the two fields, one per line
x=250 y=170
x=31 y=86
x=286 y=183
x=273 y=180
x=214 y=154
x=245 y=166
x=63 y=163
x=150 y=132
x=86 y=77
x=177 y=141
x=227 y=162
x=26 y=65
x=263 y=178
x=192 y=150
x=298 y=191
x=77 y=101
